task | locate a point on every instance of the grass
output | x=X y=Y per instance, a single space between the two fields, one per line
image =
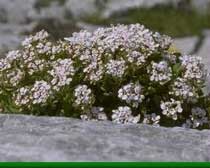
x=165 y=19
x=45 y=3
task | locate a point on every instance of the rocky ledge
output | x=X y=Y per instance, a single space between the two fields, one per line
x=30 y=138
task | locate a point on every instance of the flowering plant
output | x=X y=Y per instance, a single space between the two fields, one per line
x=126 y=74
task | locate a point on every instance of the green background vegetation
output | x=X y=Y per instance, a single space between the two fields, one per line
x=167 y=19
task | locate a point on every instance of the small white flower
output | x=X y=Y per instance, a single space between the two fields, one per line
x=4 y=64
x=40 y=36
x=124 y=115
x=62 y=73
x=15 y=77
x=194 y=69
x=136 y=58
x=160 y=72
x=40 y=92
x=131 y=93
x=22 y=97
x=171 y=108
x=83 y=96
x=13 y=55
x=116 y=68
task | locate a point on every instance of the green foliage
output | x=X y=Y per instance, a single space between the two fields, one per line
x=165 y=19
x=45 y=3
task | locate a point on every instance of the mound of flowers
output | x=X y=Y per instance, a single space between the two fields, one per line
x=123 y=73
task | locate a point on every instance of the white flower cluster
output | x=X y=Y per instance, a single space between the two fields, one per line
x=129 y=37
x=119 y=73
x=60 y=47
x=137 y=58
x=62 y=73
x=163 y=40
x=193 y=67
x=35 y=51
x=153 y=119
x=13 y=55
x=132 y=94
x=38 y=94
x=6 y=63
x=124 y=115
x=15 y=77
x=39 y=52
x=171 y=108
x=94 y=71
x=83 y=96
x=197 y=118
x=22 y=97
x=98 y=48
x=182 y=88
x=35 y=65
x=34 y=60
x=116 y=68
x=160 y=72
x=40 y=36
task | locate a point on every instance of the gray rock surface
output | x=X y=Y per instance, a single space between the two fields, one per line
x=53 y=11
x=186 y=45
x=201 y=6
x=29 y=138
x=24 y=11
x=8 y=42
x=11 y=35
x=204 y=52
x=81 y=8
x=15 y=11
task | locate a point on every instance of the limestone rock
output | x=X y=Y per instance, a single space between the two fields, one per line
x=17 y=11
x=201 y=6
x=8 y=42
x=204 y=52
x=81 y=8
x=53 y=11
x=186 y=45
x=29 y=138
x=11 y=35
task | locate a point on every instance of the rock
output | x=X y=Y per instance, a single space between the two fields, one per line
x=186 y=45
x=81 y=8
x=3 y=15
x=202 y=6
x=204 y=52
x=17 y=11
x=30 y=138
x=25 y=11
x=8 y=42
x=206 y=32
x=11 y=36
x=53 y=11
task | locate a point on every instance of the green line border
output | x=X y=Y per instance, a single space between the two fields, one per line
x=104 y=164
